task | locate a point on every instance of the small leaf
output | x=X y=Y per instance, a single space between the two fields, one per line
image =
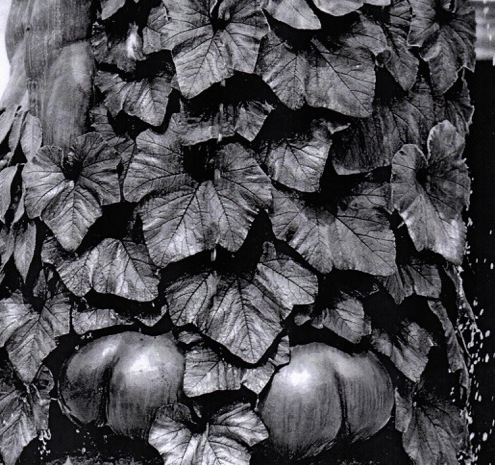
x=297 y=160
x=68 y=191
x=244 y=313
x=110 y=7
x=455 y=354
x=146 y=99
x=6 y=121
x=208 y=47
x=93 y=319
x=122 y=268
x=7 y=176
x=116 y=47
x=25 y=247
x=222 y=443
x=414 y=278
x=206 y=371
x=354 y=236
x=16 y=130
x=197 y=217
x=344 y=315
x=31 y=137
x=431 y=191
x=402 y=62
x=436 y=432
x=31 y=338
x=408 y=349
x=296 y=13
x=23 y=413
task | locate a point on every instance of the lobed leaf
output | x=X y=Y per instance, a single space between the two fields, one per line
x=68 y=191
x=244 y=313
x=431 y=191
x=118 y=267
x=354 y=235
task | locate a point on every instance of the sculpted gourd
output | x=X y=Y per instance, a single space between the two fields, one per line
x=323 y=396
x=121 y=380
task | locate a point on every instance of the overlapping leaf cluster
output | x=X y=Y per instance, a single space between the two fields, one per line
x=264 y=161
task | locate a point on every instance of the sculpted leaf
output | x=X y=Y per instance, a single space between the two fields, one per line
x=224 y=442
x=415 y=277
x=93 y=319
x=7 y=176
x=243 y=312
x=30 y=335
x=207 y=371
x=118 y=267
x=402 y=63
x=407 y=349
x=115 y=47
x=110 y=7
x=344 y=7
x=296 y=13
x=23 y=412
x=198 y=216
x=455 y=354
x=372 y=142
x=158 y=165
x=355 y=235
x=201 y=123
x=31 y=136
x=328 y=73
x=436 y=430
x=430 y=192
x=344 y=315
x=146 y=98
x=446 y=37
x=68 y=190
x=297 y=160
x=25 y=247
x=208 y=44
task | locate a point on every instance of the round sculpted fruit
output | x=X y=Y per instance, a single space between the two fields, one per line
x=121 y=380
x=324 y=395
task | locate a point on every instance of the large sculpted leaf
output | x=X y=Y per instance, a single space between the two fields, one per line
x=344 y=7
x=430 y=191
x=297 y=160
x=117 y=267
x=158 y=165
x=446 y=36
x=296 y=13
x=225 y=440
x=434 y=430
x=415 y=277
x=30 y=335
x=354 y=235
x=198 y=216
x=407 y=348
x=402 y=63
x=209 y=40
x=372 y=142
x=243 y=312
x=68 y=190
x=146 y=98
x=207 y=371
x=201 y=123
x=333 y=73
x=23 y=412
